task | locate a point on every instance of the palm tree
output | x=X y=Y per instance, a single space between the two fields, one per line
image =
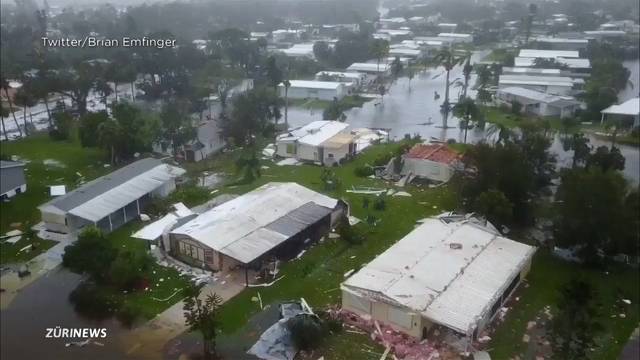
x=533 y=9
x=286 y=84
x=466 y=70
x=410 y=74
x=466 y=109
x=5 y=86
x=108 y=134
x=448 y=59
x=379 y=49
x=4 y=112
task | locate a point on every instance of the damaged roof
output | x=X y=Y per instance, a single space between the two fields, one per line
x=252 y=224
x=434 y=152
x=452 y=272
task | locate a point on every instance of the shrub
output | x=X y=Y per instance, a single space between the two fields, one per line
x=129 y=268
x=380 y=204
x=363 y=171
x=92 y=254
x=347 y=233
x=382 y=159
x=93 y=301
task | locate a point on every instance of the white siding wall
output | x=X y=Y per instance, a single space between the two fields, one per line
x=308 y=152
x=338 y=154
x=307 y=93
x=427 y=169
x=281 y=148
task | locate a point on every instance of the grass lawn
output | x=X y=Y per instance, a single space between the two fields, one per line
x=64 y=161
x=317 y=275
x=547 y=275
x=10 y=253
x=163 y=282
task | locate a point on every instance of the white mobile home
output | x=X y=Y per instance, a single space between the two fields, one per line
x=556 y=43
x=111 y=201
x=370 y=68
x=550 y=84
x=455 y=272
x=322 y=90
x=629 y=108
x=539 y=103
x=457 y=37
x=324 y=142
x=355 y=78
x=274 y=220
x=435 y=162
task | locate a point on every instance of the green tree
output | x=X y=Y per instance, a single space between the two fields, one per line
x=307 y=331
x=593 y=209
x=88 y=127
x=274 y=74
x=466 y=71
x=129 y=268
x=396 y=68
x=580 y=146
x=495 y=207
x=606 y=159
x=109 y=137
x=574 y=327
x=202 y=316
x=467 y=110
x=63 y=125
x=25 y=97
x=91 y=254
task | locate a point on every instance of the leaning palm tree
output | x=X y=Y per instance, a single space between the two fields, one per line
x=5 y=86
x=448 y=59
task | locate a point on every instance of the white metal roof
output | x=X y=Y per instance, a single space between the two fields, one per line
x=239 y=228
x=315 y=133
x=346 y=75
x=368 y=67
x=629 y=107
x=453 y=287
x=121 y=195
x=539 y=96
x=571 y=63
x=394 y=32
x=549 y=54
x=535 y=80
x=405 y=52
x=312 y=84
x=155 y=229
x=556 y=40
x=531 y=70
x=454 y=35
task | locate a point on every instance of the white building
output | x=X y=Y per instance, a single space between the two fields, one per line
x=629 y=108
x=447 y=27
x=452 y=271
x=533 y=71
x=111 y=201
x=435 y=162
x=405 y=52
x=395 y=35
x=370 y=68
x=322 y=90
x=274 y=220
x=325 y=142
x=344 y=77
x=282 y=35
x=539 y=103
x=208 y=141
x=300 y=51
x=12 y=179
x=556 y=43
x=560 y=85
x=548 y=54
x=457 y=37
x=575 y=65
x=604 y=34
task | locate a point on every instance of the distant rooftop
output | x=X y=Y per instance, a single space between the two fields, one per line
x=549 y=54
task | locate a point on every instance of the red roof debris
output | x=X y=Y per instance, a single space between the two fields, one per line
x=434 y=152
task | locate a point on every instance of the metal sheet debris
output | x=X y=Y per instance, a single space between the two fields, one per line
x=57 y=190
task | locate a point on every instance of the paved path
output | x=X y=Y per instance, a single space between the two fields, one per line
x=148 y=341
x=631 y=351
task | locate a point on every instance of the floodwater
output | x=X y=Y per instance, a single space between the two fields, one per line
x=409 y=107
x=44 y=304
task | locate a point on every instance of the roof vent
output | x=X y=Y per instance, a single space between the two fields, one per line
x=455 y=246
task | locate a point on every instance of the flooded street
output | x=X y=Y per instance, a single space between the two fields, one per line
x=44 y=304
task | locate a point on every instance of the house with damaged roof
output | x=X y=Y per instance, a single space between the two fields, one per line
x=273 y=221
x=453 y=272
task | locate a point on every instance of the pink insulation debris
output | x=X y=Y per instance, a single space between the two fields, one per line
x=402 y=345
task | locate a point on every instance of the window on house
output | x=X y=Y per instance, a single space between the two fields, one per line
x=291 y=149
